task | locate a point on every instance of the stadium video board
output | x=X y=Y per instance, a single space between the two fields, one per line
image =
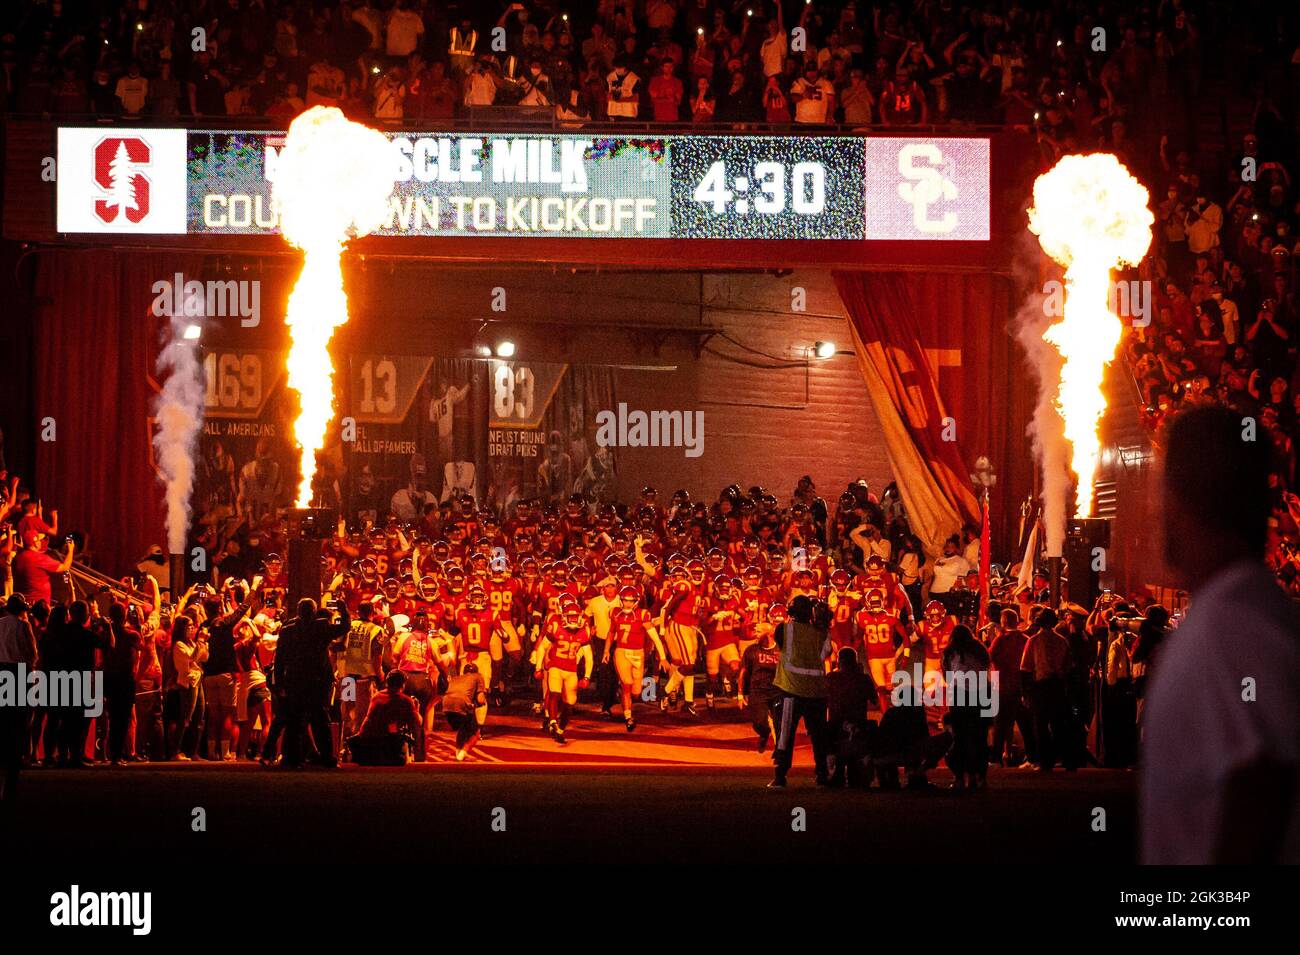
x=203 y=182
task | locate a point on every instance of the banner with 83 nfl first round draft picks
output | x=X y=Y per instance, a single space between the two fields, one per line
x=203 y=182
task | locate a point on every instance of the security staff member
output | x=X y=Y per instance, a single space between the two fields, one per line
x=460 y=52
x=801 y=680
x=360 y=652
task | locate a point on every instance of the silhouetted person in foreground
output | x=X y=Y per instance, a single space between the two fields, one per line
x=850 y=693
x=1220 y=750
x=306 y=678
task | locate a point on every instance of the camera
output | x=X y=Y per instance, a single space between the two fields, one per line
x=1126 y=624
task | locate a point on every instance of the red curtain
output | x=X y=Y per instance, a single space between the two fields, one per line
x=939 y=363
x=96 y=341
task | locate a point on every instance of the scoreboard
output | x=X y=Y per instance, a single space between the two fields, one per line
x=849 y=188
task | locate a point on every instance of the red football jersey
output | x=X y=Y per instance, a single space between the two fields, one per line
x=727 y=629
x=843 y=606
x=476 y=628
x=628 y=628
x=936 y=638
x=877 y=630
x=566 y=644
x=502 y=596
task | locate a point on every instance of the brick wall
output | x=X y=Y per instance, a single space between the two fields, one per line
x=765 y=425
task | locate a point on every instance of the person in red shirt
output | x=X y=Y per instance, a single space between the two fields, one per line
x=32 y=525
x=630 y=626
x=878 y=578
x=33 y=568
x=565 y=655
x=503 y=592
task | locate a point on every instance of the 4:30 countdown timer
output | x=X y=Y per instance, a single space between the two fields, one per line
x=768 y=187
x=773 y=189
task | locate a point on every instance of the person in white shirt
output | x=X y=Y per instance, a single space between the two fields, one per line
x=536 y=85
x=948 y=569
x=480 y=85
x=624 y=95
x=390 y=95
x=405 y=29
x=132 y=91
x=1221 y=719
x=872 y=544
x=1203 y=222
x=372 y=20
x=812 y=95
x=774 y=49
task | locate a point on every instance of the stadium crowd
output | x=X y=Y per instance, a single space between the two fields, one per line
x=1220 y=321
x=622 y=609
x=1032 y=65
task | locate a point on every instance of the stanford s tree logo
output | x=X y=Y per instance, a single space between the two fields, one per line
x=122 y=183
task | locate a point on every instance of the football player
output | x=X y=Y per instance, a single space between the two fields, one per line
x=682 y=638
x=881 y=633
x=565 y=652
x=630 y=626
x=723 y=622
x=935 y=633
x=479 y=628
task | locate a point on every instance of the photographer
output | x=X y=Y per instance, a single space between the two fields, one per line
x=34 y=568
x=1150 y=633
x=1118 y=702
x=624 y=91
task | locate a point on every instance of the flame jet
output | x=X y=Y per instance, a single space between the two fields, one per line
x=1091 y=216
x=332 y=184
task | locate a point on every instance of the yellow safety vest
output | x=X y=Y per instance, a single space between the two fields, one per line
x=463 y=44
x=800 y=671
x=358 y=653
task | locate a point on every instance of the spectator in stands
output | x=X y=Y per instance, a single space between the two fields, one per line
x=857 y=100
x=164 y=97
x=390 y=95
x=703 y=103
x=624 y=93
x=404 y=31
x=666 y=94
x=813 y=96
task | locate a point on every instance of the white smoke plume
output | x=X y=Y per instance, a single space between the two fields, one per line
x=1046 y=428
x=178 y=413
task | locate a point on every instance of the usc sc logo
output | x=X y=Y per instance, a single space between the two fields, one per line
x=925 y=186
x=123 y=185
